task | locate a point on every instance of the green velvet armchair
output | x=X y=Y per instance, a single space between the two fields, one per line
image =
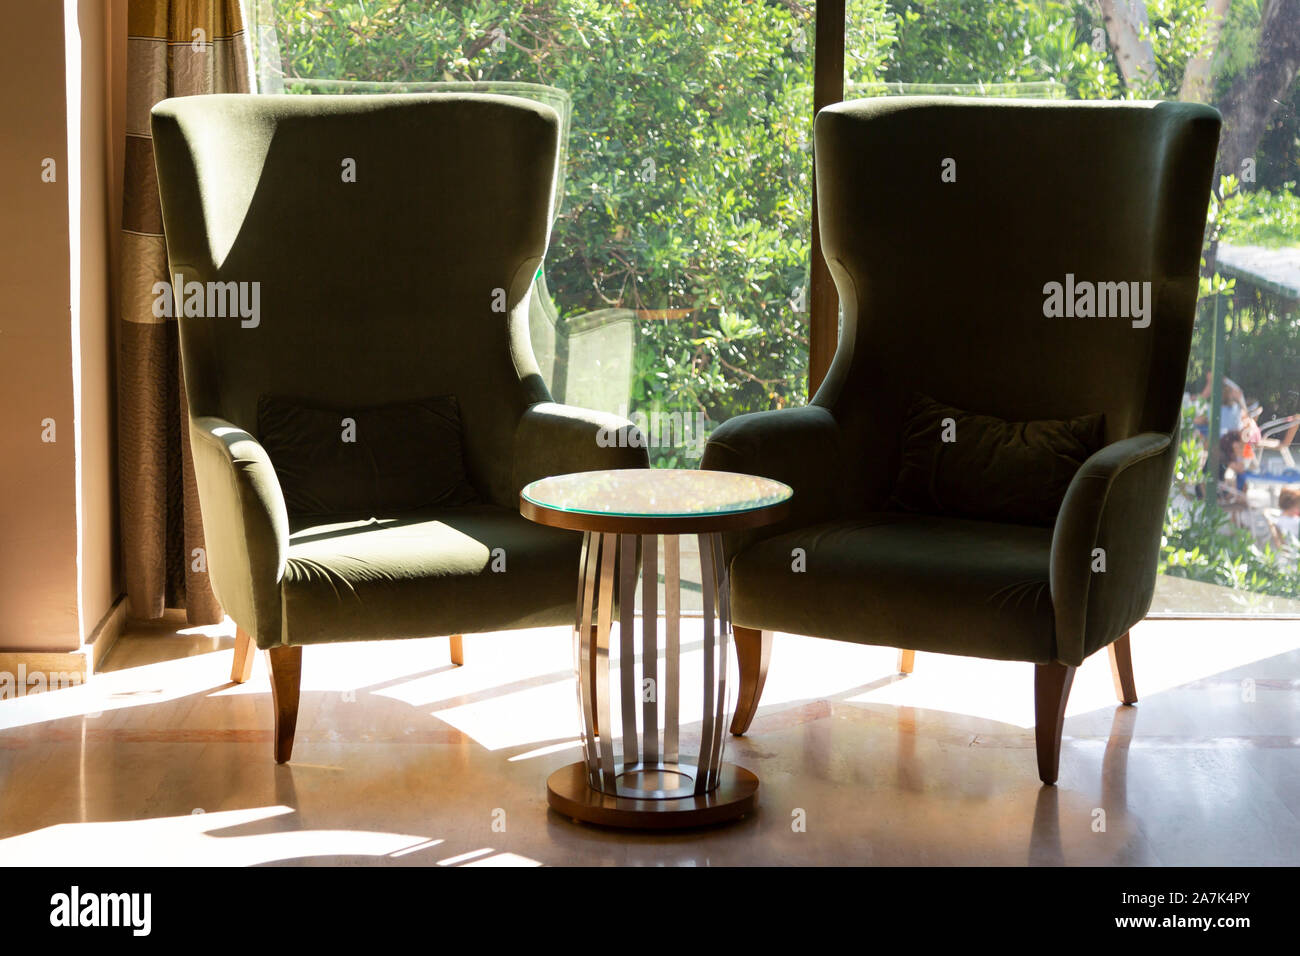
x=943 y=222
x=394 y=241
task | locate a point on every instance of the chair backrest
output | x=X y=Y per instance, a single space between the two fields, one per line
x=548 y=341
x=410 y=278
x=552 y=96
x=945 y=221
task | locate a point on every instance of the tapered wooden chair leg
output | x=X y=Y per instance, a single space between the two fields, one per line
x=753 y=654
x=286 y=676
x=906 y=661
x=1051 y=691
x=1121 y=670
x=244 y=648
x=458 y=649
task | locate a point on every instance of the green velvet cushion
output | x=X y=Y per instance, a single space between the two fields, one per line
x=964 y=465
x=373 y=460
x=432 y=571
x=930 y=583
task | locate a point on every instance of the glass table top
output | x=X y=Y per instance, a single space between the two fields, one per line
x=656 y=493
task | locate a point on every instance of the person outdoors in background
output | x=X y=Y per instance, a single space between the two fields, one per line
x=1232 y=410
x=1251 y=440
x=1286 y=526
x=1232 y=407
x=1249 y=431
x=1232 y=454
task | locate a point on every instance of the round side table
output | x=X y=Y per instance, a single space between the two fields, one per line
x=643 y=779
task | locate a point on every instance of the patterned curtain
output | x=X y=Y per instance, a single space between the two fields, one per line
x=174 y=48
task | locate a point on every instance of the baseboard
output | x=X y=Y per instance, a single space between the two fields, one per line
x=172 y=617
x=106 y=633
x=26 y=671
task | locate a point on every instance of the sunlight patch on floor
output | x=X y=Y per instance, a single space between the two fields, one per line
x=1166 y=654
x=529 y=673
x=194 y=840
x=118 y=690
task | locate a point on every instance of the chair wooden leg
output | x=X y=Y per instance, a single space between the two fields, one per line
x=753 y=654
x=906 y=661
x=1051 y=691
x=1121 y=670
x=244 y=648
x=458 y=649
x=286 y=675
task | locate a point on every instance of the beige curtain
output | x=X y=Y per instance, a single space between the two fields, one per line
x=174 y=48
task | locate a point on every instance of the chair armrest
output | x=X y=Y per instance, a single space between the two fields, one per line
x=1116 y=502
x=554 y=439
x=799 y=446
x=245 y=525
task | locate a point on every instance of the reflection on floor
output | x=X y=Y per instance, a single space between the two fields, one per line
x=403 y=759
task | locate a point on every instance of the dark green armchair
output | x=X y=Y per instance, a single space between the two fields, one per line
x=410 y=278
x=942 y=221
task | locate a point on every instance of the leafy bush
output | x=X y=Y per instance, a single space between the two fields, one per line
x=1264 y=217
x=974 y=41
x=1200 y=543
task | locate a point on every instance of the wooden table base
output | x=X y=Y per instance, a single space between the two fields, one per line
x=736 y=795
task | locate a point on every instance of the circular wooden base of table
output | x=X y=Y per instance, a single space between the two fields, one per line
x=568 y=793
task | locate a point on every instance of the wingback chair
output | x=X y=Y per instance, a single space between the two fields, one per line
x=944 y=221
x=394 y=241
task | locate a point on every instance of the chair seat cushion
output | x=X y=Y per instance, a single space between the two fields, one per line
x=950 y=585
x=424 y=573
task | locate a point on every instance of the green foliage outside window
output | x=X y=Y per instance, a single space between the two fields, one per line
x=1199 y=544
x=689 y=169
x=689 y=180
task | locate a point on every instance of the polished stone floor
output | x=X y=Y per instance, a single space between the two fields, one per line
x=404 y=759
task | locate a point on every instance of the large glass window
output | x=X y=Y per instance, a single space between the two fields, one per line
x=675 y=287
